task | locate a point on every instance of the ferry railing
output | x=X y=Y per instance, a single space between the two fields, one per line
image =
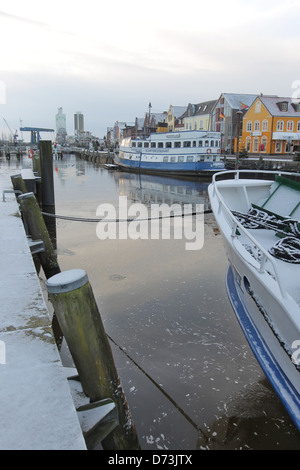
x=237 y=225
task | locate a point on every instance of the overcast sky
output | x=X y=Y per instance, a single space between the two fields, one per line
x=109 y=59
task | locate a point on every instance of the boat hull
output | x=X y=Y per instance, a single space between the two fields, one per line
x=279 y=370
x=187 y=169
x=260 y=287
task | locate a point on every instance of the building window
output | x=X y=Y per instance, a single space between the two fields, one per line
x=278 y=146
x=256 y=125
x=248 y=143
x=264 y=125
x=255 y=144
x=280 y=125
x=249 y=126
x=290 y=126
x=263 y=146
x=298 y=126
x=257 y=107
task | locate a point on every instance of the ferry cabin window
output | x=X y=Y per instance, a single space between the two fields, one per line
x=160 y=145
x=177 y=144
x=168 y=145
x=217 y=143
x=165 y=159
x=206 y=143
x=133 y=144
x=187 y=143
x=140 y=144
x=173 y=159
x=211 y=143
x=200 y=143
x=146 y=145
x=181 y=158
x=153 y=145
x=194 y=143
x=190 y=159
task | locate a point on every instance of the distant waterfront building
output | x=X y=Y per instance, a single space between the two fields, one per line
x=61 y=127
x=78 y=123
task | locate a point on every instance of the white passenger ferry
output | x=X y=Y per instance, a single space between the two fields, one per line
x=181 y=153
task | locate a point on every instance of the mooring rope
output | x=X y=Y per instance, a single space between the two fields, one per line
x=85 y=219
x=189 y=419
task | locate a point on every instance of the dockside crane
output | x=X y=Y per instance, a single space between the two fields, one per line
x=14 y=135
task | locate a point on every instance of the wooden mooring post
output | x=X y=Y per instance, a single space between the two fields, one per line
x=37 y=229
x=73 y=300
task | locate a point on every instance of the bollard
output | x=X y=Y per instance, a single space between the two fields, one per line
x=38 y=231
x=73 y=300
x=18 y=183
x=46 y=164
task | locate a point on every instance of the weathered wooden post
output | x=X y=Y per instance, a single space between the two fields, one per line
x=18 y=183
x=37 y=228
x=38 y=231
x=73 y=300
x=47 y=186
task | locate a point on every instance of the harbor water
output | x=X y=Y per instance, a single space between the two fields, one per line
x=189 y=376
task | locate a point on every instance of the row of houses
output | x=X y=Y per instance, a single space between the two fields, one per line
x=261 y=124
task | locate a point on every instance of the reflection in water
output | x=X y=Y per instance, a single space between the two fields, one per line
x=251 y=421
x=189 y=377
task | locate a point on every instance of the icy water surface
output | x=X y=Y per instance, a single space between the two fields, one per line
x=189 y=377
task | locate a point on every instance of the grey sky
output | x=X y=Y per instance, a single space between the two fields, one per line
x=109 y=60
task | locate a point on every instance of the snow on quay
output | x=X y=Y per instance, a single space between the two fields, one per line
x=36 y=408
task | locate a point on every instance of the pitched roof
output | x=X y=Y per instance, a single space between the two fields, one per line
x=271 y=103
x=200 y=108
x=236 y=99
x=178 y=111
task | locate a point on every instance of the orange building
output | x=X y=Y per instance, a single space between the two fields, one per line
x=271 y=126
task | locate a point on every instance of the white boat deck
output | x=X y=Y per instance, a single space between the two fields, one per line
x=288 y=272
x=37 y=411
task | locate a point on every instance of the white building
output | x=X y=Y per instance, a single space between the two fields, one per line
x=61 y=126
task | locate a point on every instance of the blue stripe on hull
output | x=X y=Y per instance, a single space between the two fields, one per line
x=276 y=376
x=187 y=167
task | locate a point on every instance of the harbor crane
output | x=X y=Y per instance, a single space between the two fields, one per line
x=14 y=135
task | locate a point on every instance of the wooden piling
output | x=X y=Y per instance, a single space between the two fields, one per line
x=38 y=231
x=73 y=300
x=18 y=183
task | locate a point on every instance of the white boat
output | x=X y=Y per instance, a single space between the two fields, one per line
x=258 y=215
x=181 y=153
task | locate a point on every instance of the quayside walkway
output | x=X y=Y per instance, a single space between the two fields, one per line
x=36 y=408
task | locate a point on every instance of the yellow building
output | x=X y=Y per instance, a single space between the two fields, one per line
x=271 y=126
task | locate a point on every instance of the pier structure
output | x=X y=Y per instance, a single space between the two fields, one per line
x=35 y=133
x=37 y=410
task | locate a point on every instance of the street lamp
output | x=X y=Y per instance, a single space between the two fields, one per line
x=239 y=113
